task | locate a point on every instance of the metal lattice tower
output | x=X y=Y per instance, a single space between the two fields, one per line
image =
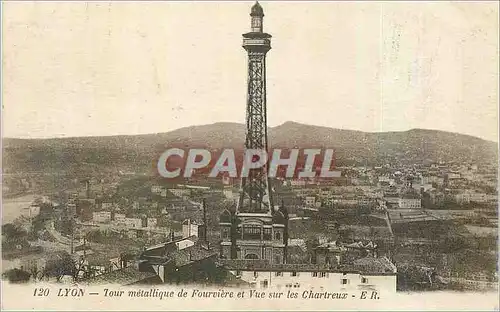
x=255 y=190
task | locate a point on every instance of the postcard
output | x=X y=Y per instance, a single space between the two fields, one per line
x=268 y=155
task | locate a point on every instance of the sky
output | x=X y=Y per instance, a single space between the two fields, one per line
x=88 y=69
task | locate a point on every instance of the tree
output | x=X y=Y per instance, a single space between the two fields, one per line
x=311 y=244
x=346 y=234
x=14 y=237
x=59 y=265
x=17 y=275
x=372 y=232
x=454 y=244
x=35 y=267
x=11 y=231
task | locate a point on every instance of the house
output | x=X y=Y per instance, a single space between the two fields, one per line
x=34 y=210
x=119 y=217
x=368 y=274
x=101 y=216
x=230 y=193
x=156 y=189
x=190 y=228
x=310 y=201
x=107 y=206
x=182 y=261
x=470 y=196
x=133 y=222
x=298 y=183
x=391 y=196
x=152 y=222
x=329 y=254
x=100 y=263
x=180 y=192
x=410 y=201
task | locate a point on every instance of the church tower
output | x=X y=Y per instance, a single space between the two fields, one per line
x=254 y=229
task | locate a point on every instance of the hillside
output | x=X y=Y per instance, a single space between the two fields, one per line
x=139 y=152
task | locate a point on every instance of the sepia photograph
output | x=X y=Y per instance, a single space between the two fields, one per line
x=249 y=155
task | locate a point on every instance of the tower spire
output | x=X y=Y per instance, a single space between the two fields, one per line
x=257 y=14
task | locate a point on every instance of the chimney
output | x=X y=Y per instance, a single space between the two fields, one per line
x=87 y=189
x=234 y=227
x=205 y=225
x=285 y=231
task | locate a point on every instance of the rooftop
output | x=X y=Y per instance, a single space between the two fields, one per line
x=191 y=254
x=257 y=10
x=375 y=265
x=163 y=253
x=367 y=266
x=126 y=276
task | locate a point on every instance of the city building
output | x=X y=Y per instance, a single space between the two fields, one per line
x=133 y=222
x=468 y=196
x=366 y=274
x=310 y=201
x=34 y=210
x=230 y=193
x=107 y=206
x=410 y=201
x=181 y=261
x=391 y=196
x=189 y=228
x=101 y=216
x=298 y=183
x=180 y=192
x=156 y=189
x=152 y=222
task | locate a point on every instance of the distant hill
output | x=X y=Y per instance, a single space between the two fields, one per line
x=140 y=152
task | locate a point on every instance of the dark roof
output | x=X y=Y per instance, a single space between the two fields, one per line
x=125 y=276
x=225 y=216
x=366 y=266
x=163 y=249
x=265 y=265
x=278 y=218
x=375 y=265
x=232 y=280
x=410 y=195
x=362 y=245
x=190 y=254
x=257 y=10
x=99 y=259
x=82 y=247
x=154 y=260
x=179 y=257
